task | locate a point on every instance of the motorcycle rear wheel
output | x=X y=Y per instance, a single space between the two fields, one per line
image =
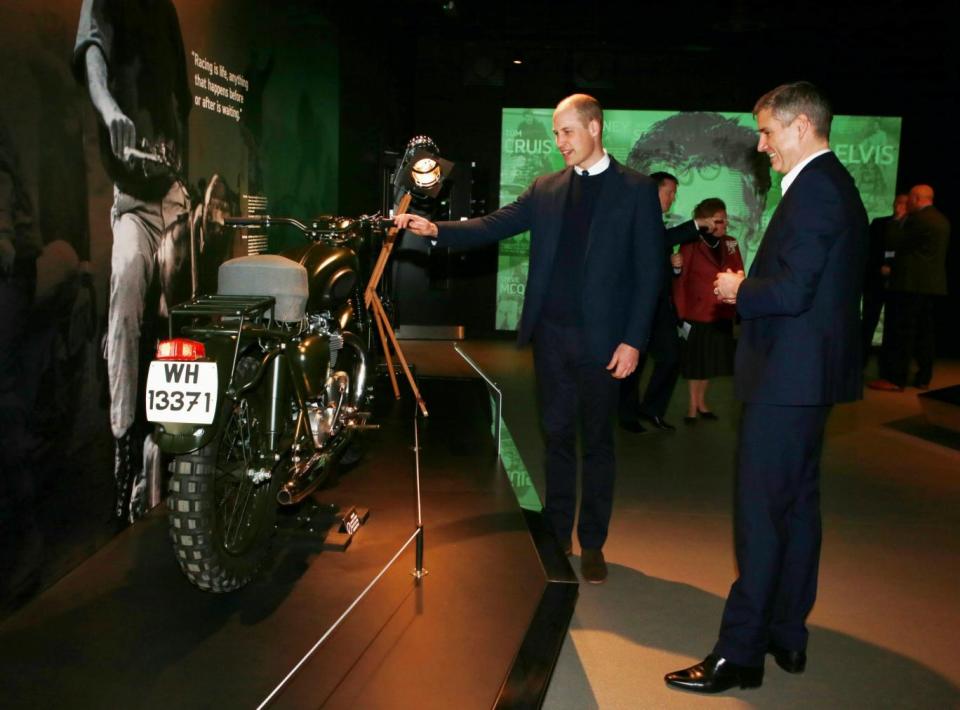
x=221 y=522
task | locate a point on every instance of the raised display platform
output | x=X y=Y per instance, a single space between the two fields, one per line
x=941 y=407
x=482 y=629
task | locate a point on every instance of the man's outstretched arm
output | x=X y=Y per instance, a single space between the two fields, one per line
x=123 y=134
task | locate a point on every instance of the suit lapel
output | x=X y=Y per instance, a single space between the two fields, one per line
x=555 y=199
x=557 y=202
x=770 y=234
x=612 y=192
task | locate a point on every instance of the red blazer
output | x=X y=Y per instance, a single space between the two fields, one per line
x=693 y=288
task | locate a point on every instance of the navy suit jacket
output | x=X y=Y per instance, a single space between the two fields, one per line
x=623 y=269
x=800 y=305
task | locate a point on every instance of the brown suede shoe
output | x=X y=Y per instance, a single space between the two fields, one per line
x=592 y=566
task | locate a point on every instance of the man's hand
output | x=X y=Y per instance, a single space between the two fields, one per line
x=726 y=286
x=123 y=134
x=885 y=271
x=676 y=260
x=624 y=361
x=416 y=224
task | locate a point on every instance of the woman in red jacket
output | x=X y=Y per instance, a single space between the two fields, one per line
x=709 y=340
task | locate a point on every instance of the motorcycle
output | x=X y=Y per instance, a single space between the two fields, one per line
x=259 y=391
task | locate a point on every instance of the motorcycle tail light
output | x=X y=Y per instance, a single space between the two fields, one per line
x=180 y=349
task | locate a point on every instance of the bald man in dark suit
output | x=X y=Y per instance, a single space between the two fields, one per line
x=596 y=269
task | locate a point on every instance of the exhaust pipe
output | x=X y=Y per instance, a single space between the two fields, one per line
x=360 y=382
x=309 y=474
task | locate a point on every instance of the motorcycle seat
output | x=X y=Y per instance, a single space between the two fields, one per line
x=267 y=275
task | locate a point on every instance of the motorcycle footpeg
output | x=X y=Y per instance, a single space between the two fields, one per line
x=363 y=426
x=359 y=422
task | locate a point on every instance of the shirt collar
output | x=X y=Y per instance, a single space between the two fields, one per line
x=597 y=168
x=792 y=175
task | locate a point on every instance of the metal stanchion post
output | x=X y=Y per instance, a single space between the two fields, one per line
x=419 y=572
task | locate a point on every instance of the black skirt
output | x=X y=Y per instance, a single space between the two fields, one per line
x=708 y=351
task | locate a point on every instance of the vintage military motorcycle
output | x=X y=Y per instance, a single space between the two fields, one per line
x=260 y=390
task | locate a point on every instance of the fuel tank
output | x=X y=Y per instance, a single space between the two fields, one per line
x=332 y=273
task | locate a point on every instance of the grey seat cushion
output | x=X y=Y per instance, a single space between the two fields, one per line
x=267 y=275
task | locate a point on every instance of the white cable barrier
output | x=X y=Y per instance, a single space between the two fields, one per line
x=418 y=573
x=497 y=394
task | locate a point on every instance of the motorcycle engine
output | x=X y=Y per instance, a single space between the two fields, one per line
x=325 y=415
x=320 y=324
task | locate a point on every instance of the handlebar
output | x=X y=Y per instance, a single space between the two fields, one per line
x=335 y=227
x=153 y=160
x=264 y=221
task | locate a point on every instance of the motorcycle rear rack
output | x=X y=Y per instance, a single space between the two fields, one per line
x=243 y=308
x=217 y=304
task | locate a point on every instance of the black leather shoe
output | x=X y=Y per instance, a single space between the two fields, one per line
x=592 y=566
x=714 y=675
x=790 y=661
x=632 y=425
x=658 y=422
x=689 y=420
x=707 y=415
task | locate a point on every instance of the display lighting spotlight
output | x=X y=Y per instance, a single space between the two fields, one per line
x=422 y=170
x=426 y=173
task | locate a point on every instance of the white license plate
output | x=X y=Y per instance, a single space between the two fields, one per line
x=184 y=392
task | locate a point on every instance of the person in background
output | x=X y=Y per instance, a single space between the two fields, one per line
x=918 y=276
x=708 y=324
x=876 y=275
x=664 y=340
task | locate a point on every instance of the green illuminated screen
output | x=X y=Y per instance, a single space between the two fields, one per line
x=712 y=154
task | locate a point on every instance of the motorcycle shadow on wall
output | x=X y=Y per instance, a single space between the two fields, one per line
x=51 y=420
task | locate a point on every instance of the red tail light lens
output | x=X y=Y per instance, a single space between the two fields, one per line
x=180 y=349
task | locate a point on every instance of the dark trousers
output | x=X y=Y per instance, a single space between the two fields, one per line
x=777 y=531
x=571 y=387
x=665 y=349
x=908 y=334
x=873 y=299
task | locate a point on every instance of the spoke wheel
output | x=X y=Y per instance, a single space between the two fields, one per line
x=221 y=519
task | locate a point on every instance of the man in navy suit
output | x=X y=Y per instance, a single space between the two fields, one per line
x=798 y=354
x=596 y=268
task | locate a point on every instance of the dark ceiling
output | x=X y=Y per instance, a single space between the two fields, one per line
x=914 y=41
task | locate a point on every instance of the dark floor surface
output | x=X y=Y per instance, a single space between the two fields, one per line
x=125 y=629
